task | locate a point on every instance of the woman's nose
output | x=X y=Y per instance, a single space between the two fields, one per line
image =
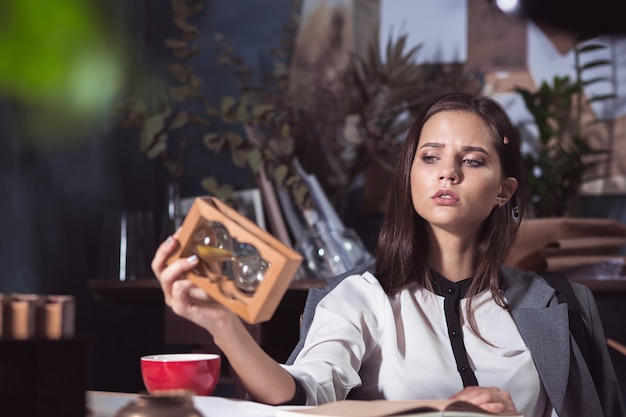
x=449 y=173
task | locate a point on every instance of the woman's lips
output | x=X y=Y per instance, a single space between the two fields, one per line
x=445 y=197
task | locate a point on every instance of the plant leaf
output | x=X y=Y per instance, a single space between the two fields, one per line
x=150 y=129
x=176 y=43
x=602 y=97
x=233 y=139
x=591 y=47
x=227 y=104
x=596 y=63
x=178 y=71
x=213 y=141
x=180 y=120
x=158 y=147
x=253 y=157
x=595 y=80
x=261 y=110
x=210 y=184
x=280 y=173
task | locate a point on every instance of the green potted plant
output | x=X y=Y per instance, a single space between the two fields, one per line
x=565 y=156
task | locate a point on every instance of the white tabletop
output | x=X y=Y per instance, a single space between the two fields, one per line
x=107 y=404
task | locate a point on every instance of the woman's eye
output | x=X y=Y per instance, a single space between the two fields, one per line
x=473 y=162
x=429 y=158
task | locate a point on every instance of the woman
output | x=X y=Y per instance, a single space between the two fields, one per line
x=439 y=316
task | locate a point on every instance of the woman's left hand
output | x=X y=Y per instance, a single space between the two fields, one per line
x=491 y=399
x=187 y=300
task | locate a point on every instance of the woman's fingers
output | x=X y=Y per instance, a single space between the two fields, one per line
x=163 y=252
x=186 y=292
x=181 y=295
x=491 y=399
x=168 y=274
x=194 y=304
x=175 y=272
x=181 y=299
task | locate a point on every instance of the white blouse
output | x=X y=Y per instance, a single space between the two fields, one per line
x=376 y=346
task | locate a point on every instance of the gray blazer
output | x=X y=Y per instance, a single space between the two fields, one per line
x=544 y=326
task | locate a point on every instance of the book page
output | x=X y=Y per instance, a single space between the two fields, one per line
x=384 y=408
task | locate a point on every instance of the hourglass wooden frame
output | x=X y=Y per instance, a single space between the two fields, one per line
x=283 y=261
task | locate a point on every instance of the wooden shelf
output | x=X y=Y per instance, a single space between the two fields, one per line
x=139 y=291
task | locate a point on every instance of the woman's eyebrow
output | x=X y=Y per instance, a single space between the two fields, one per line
x=432 y=145
x=475 y=149
x=439 y=145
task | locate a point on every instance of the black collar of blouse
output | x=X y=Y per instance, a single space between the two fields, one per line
x=446 y=288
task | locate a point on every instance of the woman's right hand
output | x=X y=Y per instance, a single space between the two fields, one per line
x=491 y=399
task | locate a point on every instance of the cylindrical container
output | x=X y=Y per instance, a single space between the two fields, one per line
x=55 y=317
x=21 y=317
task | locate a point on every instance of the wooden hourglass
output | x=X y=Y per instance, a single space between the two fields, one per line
x=242 y=266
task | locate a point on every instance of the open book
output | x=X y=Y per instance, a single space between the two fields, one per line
x=385 y=408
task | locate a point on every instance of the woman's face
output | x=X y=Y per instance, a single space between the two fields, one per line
x=456 y=178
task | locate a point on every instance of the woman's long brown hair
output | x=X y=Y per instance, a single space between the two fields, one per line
x=402 y=252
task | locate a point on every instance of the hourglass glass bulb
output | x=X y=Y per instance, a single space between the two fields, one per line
x=249 y=272
x=212 y=244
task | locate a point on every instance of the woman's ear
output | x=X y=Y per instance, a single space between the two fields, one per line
x=507 y=189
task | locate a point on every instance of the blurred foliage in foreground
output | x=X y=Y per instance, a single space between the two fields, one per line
x=60 y=68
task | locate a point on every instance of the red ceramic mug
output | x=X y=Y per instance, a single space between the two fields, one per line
x=195 y=373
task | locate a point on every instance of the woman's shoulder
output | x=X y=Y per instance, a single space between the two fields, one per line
x=522 y=277
x=524 y=288
x=513 y=277
x=362 y=283
x=519 y=284
x=355 y=274
x=358 y=298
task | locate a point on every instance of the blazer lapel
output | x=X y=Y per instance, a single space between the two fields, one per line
x=544 y=328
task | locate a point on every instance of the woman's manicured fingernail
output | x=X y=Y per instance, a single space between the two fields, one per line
x=169 y=240
x=192 y=259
